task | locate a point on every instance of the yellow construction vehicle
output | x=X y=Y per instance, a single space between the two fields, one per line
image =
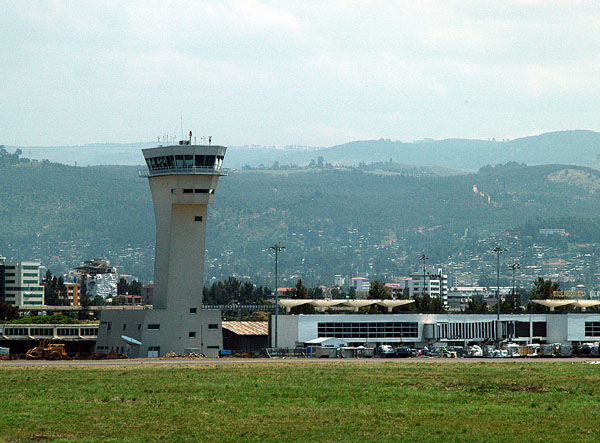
x=47 y=351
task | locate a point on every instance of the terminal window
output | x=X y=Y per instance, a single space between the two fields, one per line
x=193 y=310
x=198 y=218
x=368 y=329
x=592 y=328
x=192 y=334
x=154 y=326
x=213 y=326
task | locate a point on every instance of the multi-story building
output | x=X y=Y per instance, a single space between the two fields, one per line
x=73 y=293
x=96 y=277
x=361 y=285
x=435 y=284
x=339 y=281
x=147 y=293
x=21 y=283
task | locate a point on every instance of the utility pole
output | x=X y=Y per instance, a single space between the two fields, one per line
x=513 y=267
x=498 y=250
x=424 y=258
x=277 y=247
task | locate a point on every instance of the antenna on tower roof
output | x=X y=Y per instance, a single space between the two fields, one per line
x=181 y=119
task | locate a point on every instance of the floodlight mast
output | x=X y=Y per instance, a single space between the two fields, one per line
x=498 y=250
x=513 y=267
x=424 y=258
x=277 y=247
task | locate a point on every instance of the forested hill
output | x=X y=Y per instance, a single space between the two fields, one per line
x=565 y=147
x=331 y=221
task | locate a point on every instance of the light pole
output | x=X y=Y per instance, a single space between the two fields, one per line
x=277 y=247
x=498 y=250
x=424 y=258
x=513 y=267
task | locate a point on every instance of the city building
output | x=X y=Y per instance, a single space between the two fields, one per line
x=73 y=293
x=147 y=293
x=395 y=290
x=361 y=285
x=128 y=299
x=339 y=281
x=183 y=180
x=20 y=283
x=96 y=278
x=435 y=284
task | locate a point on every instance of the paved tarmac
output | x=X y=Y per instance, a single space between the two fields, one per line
x=270 y=361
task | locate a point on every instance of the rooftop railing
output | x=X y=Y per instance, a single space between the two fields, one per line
x=208 y=170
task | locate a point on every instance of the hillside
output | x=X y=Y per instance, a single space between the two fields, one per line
x=564 y=147
x=332 y=221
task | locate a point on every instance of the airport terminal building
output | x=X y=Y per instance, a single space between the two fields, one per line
x=420 y=330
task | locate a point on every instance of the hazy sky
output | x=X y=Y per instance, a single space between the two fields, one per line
x=279 y=73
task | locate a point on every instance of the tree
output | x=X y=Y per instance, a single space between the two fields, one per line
x=61 y=292
x=135 y=288
x=232 y=290
x=377 y=292
x=352 y=293
x=511 y=303
x=543 y=289
x=8 y=312
x=426 y=303
x=247 y=293
x=299 y=291
x=476 y=305
x=122 y=286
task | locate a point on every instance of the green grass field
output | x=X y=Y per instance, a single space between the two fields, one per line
x=543 y=401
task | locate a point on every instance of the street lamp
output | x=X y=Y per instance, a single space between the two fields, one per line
x=498 y=250
x=513 y=267
x=424 y=258
x=277 y=247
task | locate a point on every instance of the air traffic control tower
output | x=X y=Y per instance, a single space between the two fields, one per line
x=183 y=180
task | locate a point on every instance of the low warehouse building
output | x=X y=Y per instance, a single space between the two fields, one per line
x=245 y=336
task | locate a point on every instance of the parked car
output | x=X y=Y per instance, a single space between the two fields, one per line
x=404 y=352
x=386 y=351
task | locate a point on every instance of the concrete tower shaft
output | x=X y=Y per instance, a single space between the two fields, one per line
x=183 y=180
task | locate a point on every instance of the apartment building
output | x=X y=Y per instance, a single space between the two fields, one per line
x=21 y=283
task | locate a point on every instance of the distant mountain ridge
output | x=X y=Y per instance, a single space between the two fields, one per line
x=580 y=147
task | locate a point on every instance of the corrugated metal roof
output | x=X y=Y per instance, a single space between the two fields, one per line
x=247 y=327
